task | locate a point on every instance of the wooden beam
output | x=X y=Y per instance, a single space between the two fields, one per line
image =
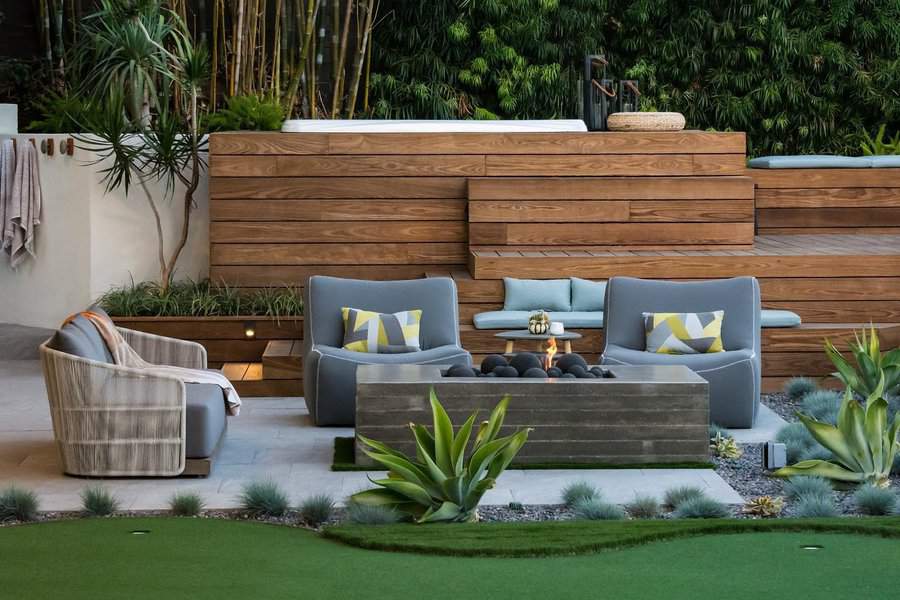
x=337 y=187
x=336 y=232
x=610 y=188
x=338 y=254
x=338 y=210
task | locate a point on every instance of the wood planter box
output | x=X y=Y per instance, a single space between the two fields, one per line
x=223 y=337
x=640 y=415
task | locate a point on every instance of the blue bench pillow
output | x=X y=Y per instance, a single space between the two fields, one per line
x=588 y=296
x=885 y=162
x=537 y=294
x=812 y=161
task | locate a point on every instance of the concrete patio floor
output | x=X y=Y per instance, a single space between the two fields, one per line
x=272 y=438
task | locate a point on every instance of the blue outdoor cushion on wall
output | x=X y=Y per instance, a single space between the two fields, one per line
x=537 y=294
x=885 y=162
x=812 y=161
x=588 y=295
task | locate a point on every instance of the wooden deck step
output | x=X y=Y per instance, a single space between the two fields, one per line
x=249 y=382
x=282 y=359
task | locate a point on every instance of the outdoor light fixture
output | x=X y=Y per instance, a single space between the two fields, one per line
x=249 y=329
x=774 y=456
x=139 y=532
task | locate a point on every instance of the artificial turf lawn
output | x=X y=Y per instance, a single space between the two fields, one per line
x=344 y=459
x=216 y=559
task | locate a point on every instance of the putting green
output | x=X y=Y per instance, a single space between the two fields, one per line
x=200 y=558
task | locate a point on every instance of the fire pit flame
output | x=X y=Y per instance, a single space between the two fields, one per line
x=551 y=352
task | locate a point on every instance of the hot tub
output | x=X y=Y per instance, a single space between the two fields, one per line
x=432 y=126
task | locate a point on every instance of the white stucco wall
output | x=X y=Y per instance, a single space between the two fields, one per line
x=89 y=241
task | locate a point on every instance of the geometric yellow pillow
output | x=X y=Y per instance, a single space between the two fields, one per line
x=684 y=333
x=377 y=333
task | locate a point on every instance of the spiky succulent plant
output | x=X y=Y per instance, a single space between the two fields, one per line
x=764 y=506
x=725 y=447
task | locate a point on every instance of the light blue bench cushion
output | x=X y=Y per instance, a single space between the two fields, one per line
x=588 y=295
x=885 y=162
x=518 y=319
x=778 y=318
x=537 y=294
x=812 y=161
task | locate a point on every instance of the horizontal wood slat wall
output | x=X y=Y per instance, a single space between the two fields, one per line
x=827 y=200
x=284 y=206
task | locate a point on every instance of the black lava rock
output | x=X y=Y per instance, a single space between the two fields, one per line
x=535 y=373
x=460 y=371
x=597 y=371
x=506 y=371
x=567 y=376
x=492 y=361
x=587 y=375
x=576 y=370
x=524 y=361
x=477 y=372
x=489 y=375
x=567 y=361
x=554 y=372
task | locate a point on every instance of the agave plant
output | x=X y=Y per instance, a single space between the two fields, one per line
x=725 y=447
x=863 y=444
x=871 y=364
x=445 y=483
x=764 y=506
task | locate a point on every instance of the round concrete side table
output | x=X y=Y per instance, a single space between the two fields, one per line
x=512 y=337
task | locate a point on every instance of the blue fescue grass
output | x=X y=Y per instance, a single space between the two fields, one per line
x=264 y=499
x=812 y=506
x=644 y=507
x=18 y=504
x=317 y=509
x=677 y=496
x=803 y=486
x=796 y=439
x=97 y=501
x=364 y=514
x=186 y=504
x=597 y=510
x=875 y=501
x=822 y=405
x=701 y=507
x=797 y=387
x=579 y=491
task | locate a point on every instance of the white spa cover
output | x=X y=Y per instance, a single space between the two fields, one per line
x=432 y=126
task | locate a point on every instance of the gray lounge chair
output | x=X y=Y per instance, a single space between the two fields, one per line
x=734 y=375
x=329 y=371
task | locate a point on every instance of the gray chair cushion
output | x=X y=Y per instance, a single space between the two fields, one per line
x=80 y=338
x=436 y=296
x=329 y=380
x=205 y=419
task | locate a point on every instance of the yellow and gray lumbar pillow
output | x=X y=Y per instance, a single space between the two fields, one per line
x=377 y=333
x=684 y=333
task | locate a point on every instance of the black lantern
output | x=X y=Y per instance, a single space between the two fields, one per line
x=598 y=93
x=629 y=96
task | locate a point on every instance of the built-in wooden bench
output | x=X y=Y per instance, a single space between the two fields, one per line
x=790 y=201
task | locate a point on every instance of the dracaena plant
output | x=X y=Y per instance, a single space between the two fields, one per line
x=445 y=482
x=863 y=443
x=871 y=365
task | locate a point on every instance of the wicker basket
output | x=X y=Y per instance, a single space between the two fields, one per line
x=645 y=121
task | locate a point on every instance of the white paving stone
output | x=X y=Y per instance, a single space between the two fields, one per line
x=273 y=438
x=768 y=422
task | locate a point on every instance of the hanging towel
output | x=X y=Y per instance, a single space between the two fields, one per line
x=25 y=214
x=7 y=174
x=125 y=355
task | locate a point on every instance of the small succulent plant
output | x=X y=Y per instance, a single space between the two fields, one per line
x=539 y=323
x=764 y=506
x=725 y=447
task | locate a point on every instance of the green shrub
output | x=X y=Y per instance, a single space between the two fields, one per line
x=97 y=501
x=701 y=507
x=592 y=509
x=578 y=491
x=186 y=504
x=813 y=507
x=200 y=299
x=444 y=483
x=247 y=113
x=17 y=504
x=264 y=499
x=803 y=486
x=644 y=507
x=675 y=497
x=317 y=509
x=822 y=405
x=877 y=146
x=875 y=501
x=798 y=387
x=372 y=514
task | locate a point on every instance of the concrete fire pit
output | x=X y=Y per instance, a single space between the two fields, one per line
x=638 y=415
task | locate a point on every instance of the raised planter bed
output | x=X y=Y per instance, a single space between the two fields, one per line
x=640 y=415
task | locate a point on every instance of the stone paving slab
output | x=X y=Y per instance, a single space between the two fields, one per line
x=272 y=438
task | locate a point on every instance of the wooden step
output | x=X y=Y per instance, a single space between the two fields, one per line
x=249 y=382
x=282 y=359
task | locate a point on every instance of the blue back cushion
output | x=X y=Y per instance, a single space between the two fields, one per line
x=588 y=296
x=81 y=338
x=537 y=294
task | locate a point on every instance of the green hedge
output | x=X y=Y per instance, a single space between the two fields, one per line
x=798 y=76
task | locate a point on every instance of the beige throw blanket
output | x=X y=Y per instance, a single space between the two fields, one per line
x=7 y=175
x=23 y=210
x=125 y=355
